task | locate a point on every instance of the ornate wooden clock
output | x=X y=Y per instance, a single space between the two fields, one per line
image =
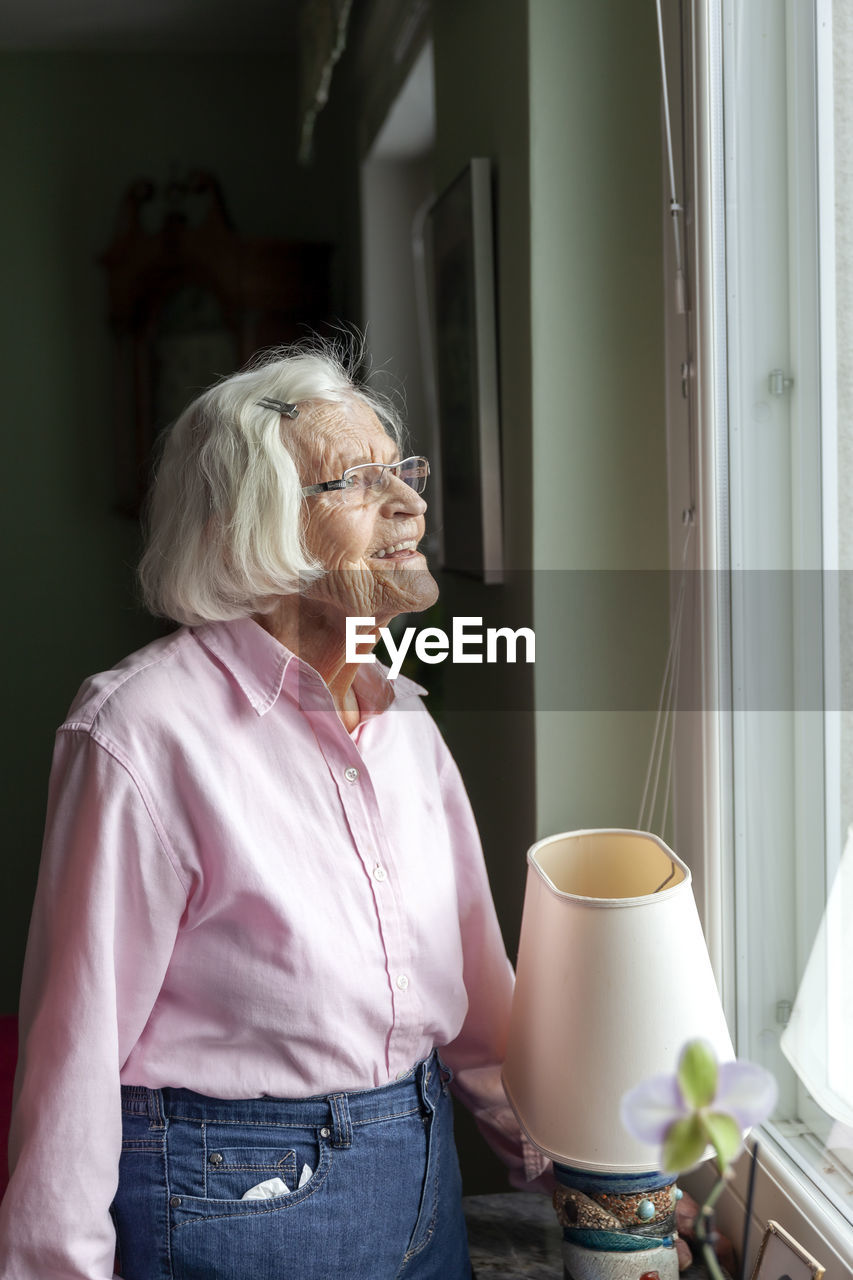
x=191 y=301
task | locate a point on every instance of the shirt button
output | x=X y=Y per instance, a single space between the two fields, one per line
x=402 y=982
x=379 y=873
x=351 y=774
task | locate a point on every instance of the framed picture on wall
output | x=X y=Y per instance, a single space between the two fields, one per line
x=460 y=267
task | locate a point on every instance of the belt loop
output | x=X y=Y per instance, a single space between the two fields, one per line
x=427 y=1073
x=341 y=1123
x=444 y=1071
x=156 y=1111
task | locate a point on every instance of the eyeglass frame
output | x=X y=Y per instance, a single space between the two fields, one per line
x=329 y=486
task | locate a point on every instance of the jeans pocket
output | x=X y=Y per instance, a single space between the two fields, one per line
x=234 y=1170
x=265 y=1239
x=211 y=1167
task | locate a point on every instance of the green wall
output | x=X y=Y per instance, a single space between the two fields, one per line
x=482 y=98
x=563 y=96
x=74 y=131
x=481 y=72
x=598 y=440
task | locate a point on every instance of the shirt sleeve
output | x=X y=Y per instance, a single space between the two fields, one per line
x=476 y=1055
x=107 y=909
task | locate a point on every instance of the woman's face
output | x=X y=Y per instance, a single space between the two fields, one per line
x=354 y=532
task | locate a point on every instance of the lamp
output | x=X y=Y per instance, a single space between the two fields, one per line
x=613 y=977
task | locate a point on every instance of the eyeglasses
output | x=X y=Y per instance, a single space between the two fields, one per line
x=376 y=476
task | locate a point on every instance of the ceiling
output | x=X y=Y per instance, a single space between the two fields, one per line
x=149 y=25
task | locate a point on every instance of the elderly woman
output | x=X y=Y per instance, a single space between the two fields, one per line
x=263 y=942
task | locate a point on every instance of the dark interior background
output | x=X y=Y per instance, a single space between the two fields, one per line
x=562 y=95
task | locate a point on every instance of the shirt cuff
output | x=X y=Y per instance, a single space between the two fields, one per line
x=535 y=1163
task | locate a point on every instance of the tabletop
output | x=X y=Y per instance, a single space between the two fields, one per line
x=515 y=1234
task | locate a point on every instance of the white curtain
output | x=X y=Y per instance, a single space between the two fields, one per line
x=818 y=1040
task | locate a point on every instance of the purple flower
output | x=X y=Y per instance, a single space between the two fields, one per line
x=703 y=1103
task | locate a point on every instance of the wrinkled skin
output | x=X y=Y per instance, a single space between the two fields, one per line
x=344 y=530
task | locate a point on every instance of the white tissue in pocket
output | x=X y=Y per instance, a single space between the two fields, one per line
x=275 y=1186
x=266 y=1190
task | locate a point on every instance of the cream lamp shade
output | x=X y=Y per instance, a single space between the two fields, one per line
x=613 y=977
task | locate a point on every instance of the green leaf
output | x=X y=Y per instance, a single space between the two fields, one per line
x=684 y=1144
x=697 y=1073
x=724 y=1135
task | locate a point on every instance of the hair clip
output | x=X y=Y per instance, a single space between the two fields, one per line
x=280 y=406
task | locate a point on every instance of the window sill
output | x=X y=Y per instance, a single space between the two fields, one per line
x=785 y=1195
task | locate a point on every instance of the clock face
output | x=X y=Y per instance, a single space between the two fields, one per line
x=192 y=347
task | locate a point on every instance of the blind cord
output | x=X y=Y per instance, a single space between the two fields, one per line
x=676 y=209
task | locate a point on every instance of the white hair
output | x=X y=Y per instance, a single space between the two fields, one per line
x=224 y=515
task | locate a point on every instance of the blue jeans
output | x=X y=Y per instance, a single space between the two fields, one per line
x=383 y=1200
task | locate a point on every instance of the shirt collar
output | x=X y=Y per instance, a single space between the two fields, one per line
x=376 y=691
x=259 y=663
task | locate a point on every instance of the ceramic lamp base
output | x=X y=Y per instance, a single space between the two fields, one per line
x=579 y=1263
x=616 y=1226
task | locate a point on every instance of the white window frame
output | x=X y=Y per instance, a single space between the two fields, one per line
x=705 y=820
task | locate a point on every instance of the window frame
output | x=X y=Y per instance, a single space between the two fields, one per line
x=705 y=750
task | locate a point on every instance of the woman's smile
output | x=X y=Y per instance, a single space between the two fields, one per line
x=399 y=551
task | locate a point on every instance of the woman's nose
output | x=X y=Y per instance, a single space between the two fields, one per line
x=401 y=497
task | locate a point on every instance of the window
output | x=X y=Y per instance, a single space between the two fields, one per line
x=766 y=360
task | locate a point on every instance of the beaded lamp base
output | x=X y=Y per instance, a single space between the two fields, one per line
x=617 y=1226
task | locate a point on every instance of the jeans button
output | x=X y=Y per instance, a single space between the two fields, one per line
x=175 y=1201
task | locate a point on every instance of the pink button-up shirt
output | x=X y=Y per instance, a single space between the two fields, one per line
x=240 y=897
